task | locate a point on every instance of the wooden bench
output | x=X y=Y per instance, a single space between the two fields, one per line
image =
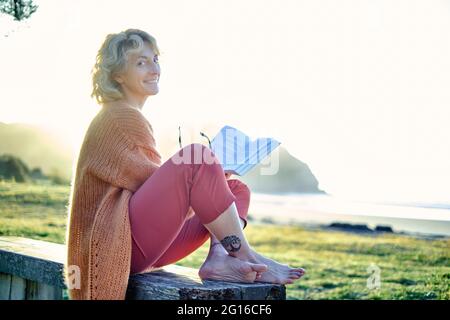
x=33 y=270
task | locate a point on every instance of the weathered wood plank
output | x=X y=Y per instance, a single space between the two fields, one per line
x=47 y=292
x=18 y=287
x=42 y=263
x=36 y=248
x=42 y=291
x=180 y=283
x=32 y=290
x=35 y=260
x=5 y=286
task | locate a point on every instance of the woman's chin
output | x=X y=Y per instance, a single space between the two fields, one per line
x=152 y=92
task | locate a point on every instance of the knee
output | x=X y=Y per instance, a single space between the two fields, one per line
x=239 y=188
x=195 y=146
x=201 y=154
x=245 y=190
x=192 y=149
x=195 y=153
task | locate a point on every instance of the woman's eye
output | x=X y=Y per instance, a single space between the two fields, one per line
x=156 y=59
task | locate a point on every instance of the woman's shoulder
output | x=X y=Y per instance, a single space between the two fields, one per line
x=129 y=120
x=124 y=113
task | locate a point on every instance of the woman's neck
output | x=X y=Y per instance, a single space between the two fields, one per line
x=131 y=104
x=134 y=101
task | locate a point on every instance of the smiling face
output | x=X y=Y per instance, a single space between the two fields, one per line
x=141 y=75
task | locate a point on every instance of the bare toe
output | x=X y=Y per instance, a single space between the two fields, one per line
x=277 y=272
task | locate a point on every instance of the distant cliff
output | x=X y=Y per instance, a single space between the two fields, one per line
x=293 y=176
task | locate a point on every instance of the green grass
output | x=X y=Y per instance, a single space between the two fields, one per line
x=35 y=211
x=336 y=262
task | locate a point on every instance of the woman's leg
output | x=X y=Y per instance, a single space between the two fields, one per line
x=193 y=234
x=159 y=208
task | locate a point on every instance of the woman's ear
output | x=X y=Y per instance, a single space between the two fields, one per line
x=118 y=79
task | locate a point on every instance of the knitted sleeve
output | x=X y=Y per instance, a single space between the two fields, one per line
x=124 y=154
x=135 y=167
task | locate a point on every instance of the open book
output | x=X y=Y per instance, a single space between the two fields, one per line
x=237 y=152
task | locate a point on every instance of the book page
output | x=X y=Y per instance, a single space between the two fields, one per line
x=237 y=152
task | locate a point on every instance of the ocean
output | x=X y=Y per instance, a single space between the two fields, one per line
x=410 y=217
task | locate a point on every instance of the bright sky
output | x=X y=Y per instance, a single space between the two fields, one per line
x=359 y=90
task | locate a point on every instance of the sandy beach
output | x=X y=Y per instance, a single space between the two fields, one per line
x=318 y=210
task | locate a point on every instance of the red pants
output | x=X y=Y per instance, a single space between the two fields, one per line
x=168 y=211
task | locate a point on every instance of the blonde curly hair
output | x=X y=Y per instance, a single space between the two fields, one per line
x=112 y=59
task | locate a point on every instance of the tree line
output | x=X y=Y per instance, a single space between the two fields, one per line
x=13 y=168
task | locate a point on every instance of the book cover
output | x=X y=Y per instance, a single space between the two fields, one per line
x=238 y=153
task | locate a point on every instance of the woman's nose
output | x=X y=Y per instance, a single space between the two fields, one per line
x=155 y=68
x=154 y=74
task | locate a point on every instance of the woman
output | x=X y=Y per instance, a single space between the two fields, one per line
x=129 y=212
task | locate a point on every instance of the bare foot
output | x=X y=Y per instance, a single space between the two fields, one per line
x=277 y=272
x=223 y=267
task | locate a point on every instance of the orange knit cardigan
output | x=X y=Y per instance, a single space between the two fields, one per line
x=117 y=155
